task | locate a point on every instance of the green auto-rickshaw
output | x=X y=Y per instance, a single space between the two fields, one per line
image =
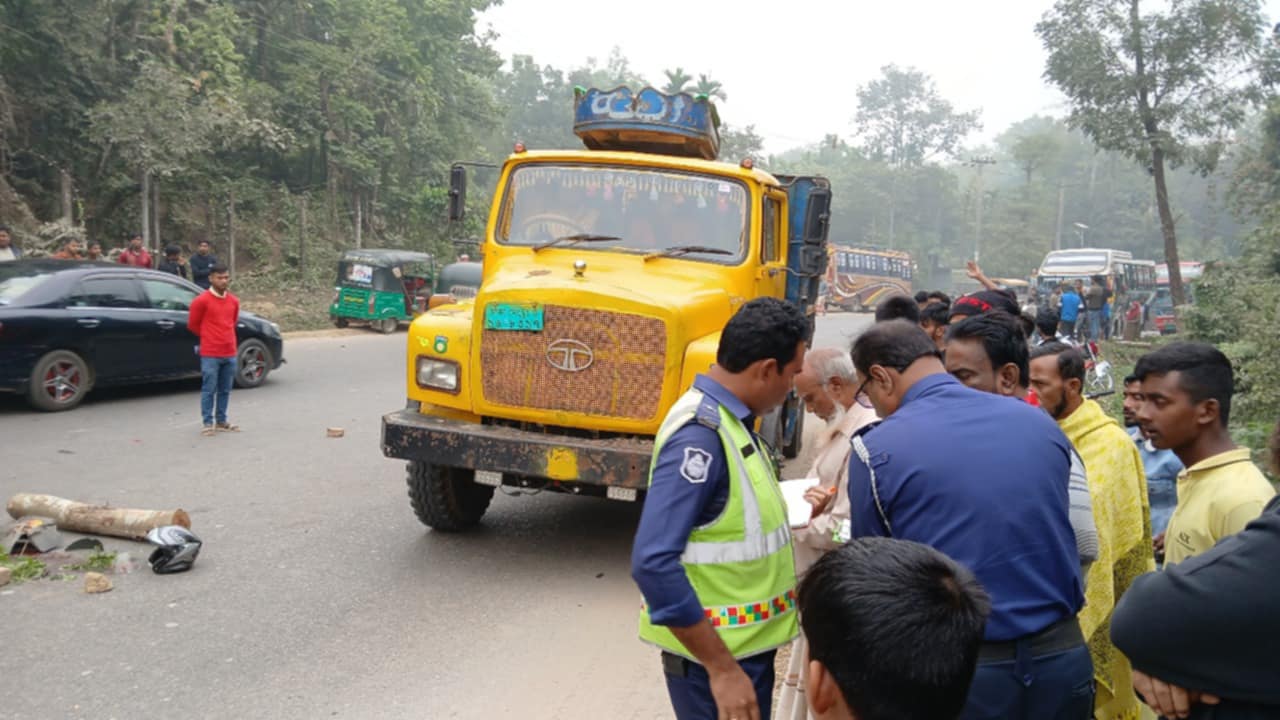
x=382 y=287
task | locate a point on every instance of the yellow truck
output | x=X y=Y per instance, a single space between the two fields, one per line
x=608 y=275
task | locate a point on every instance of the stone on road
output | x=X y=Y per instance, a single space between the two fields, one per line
x=317 y=593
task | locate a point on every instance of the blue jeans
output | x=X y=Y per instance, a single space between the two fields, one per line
x=690 y=686
x=216 y=375
x=1057 y=686
x=1095 y=324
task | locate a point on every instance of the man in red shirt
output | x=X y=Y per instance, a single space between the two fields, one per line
x=135 y=254
x=212 y=318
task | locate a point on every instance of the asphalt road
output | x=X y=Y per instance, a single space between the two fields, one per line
x=317 y=593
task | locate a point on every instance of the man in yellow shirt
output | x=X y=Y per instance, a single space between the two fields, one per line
x=1185 y=407
x=1121 y=512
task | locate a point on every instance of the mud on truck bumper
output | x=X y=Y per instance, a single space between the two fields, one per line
x=617 y=468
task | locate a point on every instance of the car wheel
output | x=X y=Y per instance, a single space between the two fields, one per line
x=59 y=381
x=386 y=326
x=253 y=363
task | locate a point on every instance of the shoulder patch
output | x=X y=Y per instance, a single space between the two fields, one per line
x=709 y=413
x=696 y=467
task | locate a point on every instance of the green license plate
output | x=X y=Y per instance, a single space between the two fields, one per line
x=509 y=316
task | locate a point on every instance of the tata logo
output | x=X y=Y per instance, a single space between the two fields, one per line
x=569 y=355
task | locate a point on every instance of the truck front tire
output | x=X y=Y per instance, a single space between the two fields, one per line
x=447 y=499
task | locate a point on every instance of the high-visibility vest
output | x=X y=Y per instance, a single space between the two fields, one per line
x=741 y=564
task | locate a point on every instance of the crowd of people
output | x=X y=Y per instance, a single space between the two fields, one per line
x=984 y=540
x=195 y=268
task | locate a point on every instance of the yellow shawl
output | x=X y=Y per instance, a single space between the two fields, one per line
x=1122 y=512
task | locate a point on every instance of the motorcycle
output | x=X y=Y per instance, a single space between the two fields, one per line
x=1098 y=380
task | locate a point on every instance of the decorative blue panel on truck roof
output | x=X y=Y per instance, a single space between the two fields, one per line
x=649 y=121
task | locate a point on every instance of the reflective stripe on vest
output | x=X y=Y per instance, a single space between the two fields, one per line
x=751 y=613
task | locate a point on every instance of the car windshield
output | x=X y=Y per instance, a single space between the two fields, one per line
x=625 y=209
x=15 y=281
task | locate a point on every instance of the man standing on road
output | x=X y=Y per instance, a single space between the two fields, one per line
x=1121 y=513
x=201 y=263
x=212 y=319
x=1095 y=300
x=95 y=251
x=1161 y=466
x=1069 y=311
x=70 y=251
x=1186 y=402
x=713 y=554
x=827 y=386
x=989 y=488
x=8 y=251
x=135 y=254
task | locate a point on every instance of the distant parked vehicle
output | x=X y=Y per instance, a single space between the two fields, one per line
x=68 y=327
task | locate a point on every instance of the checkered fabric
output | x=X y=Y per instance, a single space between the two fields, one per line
x=751 y=613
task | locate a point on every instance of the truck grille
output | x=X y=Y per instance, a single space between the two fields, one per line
x=623 y=379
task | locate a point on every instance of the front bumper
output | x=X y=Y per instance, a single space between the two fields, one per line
x=565 y=463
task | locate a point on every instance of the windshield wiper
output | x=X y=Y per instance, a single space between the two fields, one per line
x=577 y=238
x=686 y=249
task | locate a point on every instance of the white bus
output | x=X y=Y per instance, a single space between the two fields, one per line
x=1124 y=275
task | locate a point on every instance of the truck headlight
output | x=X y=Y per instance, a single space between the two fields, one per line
x=437 y=374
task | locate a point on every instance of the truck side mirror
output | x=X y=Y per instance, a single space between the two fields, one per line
x=817 y=216
x=813 y=261
x=457 y=192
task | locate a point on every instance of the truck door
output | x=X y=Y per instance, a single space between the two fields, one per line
x=772 y=275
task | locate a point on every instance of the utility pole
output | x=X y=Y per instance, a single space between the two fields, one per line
x=980 y=163
x=1062 y=200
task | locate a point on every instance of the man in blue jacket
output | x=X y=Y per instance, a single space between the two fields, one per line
x=1070 y=311
x=988 y=489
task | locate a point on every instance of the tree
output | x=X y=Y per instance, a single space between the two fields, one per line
x=736 y=144
x=903 y=121
x=710 y=88
x=1163 y=87
x=677 y=81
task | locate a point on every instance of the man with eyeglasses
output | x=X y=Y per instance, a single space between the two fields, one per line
x=989 y=488
x=829 y=387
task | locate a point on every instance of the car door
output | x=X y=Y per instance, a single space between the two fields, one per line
x=108 y=314
x=168 y=302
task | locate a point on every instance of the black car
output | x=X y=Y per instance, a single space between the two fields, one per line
x=68 y=326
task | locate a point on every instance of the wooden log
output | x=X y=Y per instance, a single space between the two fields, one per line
x=95 y=519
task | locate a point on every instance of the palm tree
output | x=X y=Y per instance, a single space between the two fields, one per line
x=710 y=88
x=677 y=81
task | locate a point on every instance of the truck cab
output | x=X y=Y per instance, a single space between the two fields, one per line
x=608 y=275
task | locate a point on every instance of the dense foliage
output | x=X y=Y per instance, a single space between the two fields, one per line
x=299 y=127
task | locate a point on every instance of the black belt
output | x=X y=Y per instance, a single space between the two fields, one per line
x=1062 y=635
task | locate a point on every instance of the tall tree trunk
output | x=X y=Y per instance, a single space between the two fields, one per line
x=169 y=27
x=68 y=213
x=1166 y=226
x=302 y=239
x=359 y=222
x=155 y=217
x=231 y=232
x=145 y=224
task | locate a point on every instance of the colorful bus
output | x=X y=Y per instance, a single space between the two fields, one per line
x=859 y=278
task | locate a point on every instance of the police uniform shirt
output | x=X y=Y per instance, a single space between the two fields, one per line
x=690 y=487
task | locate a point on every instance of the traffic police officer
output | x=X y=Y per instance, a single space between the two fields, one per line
x=712 y=554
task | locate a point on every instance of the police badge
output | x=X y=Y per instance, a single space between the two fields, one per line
x=696 y=466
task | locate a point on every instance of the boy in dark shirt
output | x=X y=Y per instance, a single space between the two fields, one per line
x=201 y=263
x=173 y=264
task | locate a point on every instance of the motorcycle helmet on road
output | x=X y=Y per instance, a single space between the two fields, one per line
x=177 y=549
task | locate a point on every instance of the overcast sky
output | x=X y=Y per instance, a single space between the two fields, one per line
x=792 y=68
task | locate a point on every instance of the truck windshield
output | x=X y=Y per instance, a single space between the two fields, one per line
x=647 y=210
